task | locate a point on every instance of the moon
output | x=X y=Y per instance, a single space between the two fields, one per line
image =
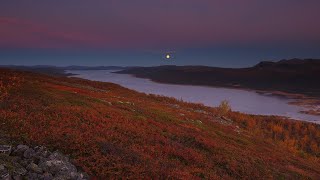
x=168 y=56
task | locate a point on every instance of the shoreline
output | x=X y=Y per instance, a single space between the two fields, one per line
x=103 y=122
x=310 y=104
x=292 y=97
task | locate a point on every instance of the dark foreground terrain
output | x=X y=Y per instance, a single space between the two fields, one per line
x=290 y=76
x=112 y=132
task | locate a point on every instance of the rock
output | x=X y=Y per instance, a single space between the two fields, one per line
x=19 y=171
x=130 y=103
x=34 y=168
x=201 y=111
x=225 y=118
x=32 y=176
x=17 y=177
x=83 y=175
x=36 y=159
x=23 y=162
x=175 y=106
x=42 y=151
x=4 y=173
x=29 y=153
x=58 y=156
x=58 y=167
x=47 y=176
x=6 y=177
x=20 y=149
x=37 y=163
x=5 y=149
x=2 y=168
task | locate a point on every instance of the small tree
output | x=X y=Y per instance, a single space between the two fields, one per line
x=224 y=108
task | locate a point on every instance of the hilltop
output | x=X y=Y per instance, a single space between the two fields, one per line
x=291 y=76
x=112 y=132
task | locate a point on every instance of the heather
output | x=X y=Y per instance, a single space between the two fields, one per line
x=111 y=132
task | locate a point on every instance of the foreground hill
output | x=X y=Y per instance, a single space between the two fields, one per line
x=113 y=132
x=293 y=76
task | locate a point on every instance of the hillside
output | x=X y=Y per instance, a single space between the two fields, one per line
x=292 y=76
x=112 y=132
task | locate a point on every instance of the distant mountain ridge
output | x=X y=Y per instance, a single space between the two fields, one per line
x=72 y=67
x=60 y=71
x=294 y=76
x=93 y=67
x=295 y=64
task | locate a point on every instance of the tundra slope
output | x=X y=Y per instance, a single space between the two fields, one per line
x=113 y=132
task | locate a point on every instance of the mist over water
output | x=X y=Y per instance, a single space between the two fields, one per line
x=240 y=100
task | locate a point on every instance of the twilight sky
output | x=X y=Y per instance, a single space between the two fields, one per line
x=230 y=33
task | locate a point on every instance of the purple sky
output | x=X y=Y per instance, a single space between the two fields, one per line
x=157 y=24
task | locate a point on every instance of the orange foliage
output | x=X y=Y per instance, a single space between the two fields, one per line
x=296 y=135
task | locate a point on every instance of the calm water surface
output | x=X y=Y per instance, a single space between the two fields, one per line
x=240 y=100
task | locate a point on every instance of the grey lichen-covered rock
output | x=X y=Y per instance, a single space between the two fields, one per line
x=20 y=149
x=37 y=163
x=34 y=168
x=5 y=149
x=29 y=153
x=42 y=151
x=33 y=176
x=58 y=156
x=23 y=162
x=47 y=176
x=4 y=173
x=17 y=177
x=59 y=166
x=19 y=171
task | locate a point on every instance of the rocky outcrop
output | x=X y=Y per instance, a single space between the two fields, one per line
x=24 y=162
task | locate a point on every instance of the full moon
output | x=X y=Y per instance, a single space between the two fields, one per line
x=168 y=56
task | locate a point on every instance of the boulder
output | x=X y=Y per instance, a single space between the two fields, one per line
x=19 y=171
x=47 y=176
x=36 y=163
x=5 y=149
x=4 y=173
x=20 y=149
x=29 y=153
x=17 y=177
x=33 y=176
x=34 y=168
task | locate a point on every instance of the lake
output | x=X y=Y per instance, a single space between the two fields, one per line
x=240 y=100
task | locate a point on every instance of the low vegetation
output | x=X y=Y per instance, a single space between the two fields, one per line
x=113 y=132
x=224 y=108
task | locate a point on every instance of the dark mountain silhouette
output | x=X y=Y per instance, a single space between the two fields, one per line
x=60 y=71
x=293 y=76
